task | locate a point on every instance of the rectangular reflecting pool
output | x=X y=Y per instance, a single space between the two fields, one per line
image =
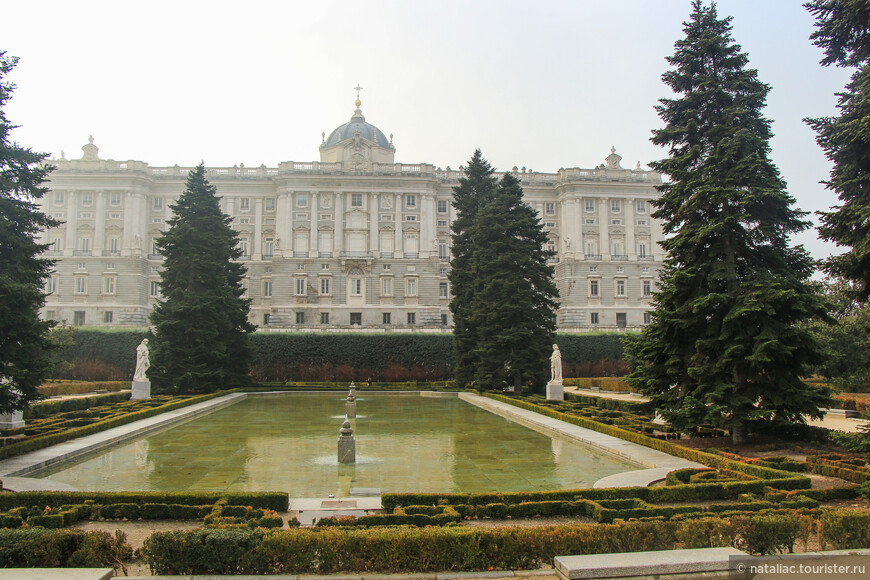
x=288 y=442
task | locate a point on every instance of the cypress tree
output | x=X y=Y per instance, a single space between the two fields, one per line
x=514 y=294
x=843 y=31
x=201 y=324
x=25 y=348
x=474 y=190
x=726 y=346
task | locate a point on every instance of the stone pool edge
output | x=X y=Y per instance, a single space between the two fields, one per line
x=657 y=463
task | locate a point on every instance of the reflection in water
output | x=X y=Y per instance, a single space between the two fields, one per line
x=287 y=442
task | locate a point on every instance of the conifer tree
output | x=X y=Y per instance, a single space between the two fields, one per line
x=514 y=293
x=726 y=346
x=474 y=190
x=843 y=31
x=25 y=347
x=201 y=324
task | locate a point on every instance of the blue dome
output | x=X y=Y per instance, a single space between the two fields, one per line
x=366 y=131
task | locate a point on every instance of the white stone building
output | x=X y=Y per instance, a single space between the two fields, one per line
x=354 y=240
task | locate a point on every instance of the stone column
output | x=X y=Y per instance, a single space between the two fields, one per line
x=282 y=225
x=427 y=226
x=630 y=249
x=604 y=229
x=312 y=232
x=572 y=220
x=373 y=225
x=99 y=223
x=338 y=242
x=398 y=242
x=72 y=224
x=258 y=229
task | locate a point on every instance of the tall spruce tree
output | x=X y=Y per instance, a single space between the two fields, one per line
x=514 y=298
x=473 y=192
x=726 y=346
x=843 y=31
x=25 y=347
x=201 y=324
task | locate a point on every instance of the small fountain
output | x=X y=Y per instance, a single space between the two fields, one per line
x=350 y=405
x=346 y=443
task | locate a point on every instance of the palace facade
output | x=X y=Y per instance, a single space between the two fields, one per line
x=353 y=241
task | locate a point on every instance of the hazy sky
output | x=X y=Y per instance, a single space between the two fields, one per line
x=541 y=84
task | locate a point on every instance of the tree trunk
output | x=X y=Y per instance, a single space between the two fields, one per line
x=738 y=434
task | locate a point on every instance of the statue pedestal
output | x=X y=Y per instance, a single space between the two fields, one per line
x=555 y=391
x=13 y=420
x=141 y=390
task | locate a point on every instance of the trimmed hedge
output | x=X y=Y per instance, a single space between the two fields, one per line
x=401 y=549
x=44 y=548
x=282 y=356
x=328 y=550
x=844 y=529
x=78 y=387
x=47 y=408
x=273 y=500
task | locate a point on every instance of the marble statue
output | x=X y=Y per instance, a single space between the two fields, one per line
x=142 y=362
x=556 y=364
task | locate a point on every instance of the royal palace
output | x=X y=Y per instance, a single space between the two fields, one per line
x=352 y=241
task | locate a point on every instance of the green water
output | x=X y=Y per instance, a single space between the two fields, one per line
x=404 y=442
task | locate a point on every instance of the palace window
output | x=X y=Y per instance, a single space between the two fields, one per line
x=442 y=206
x=590 y=205
x=243 y=246
x=270 y=204
x=268 y=247
x=109 y=284
x=356 y=200
x=154 y=289
x=58 y=197
x=300 y=318
x=324 y=287
x=410 y=200
x=443 y=320
x=301 y=284
x=324 y=318
x=411 y=287
x=266 y=317
x=442 y=289
x=86 y=198
x=356 y=318
x=647 y=288
x=412 y=318
x=51 y=285
x=386 y=318
x=81 y=285
x=620 y=288
x=443 y=254
x=550 y=208
x=621 y=320
x=355 y=286
x=157 y=203
x=593 y=318
x=593 y=288
x=641 y=206
x=267 y=288
x=386 y=286
x=614 y=205
x=301 y=200
x=410 y=218
x=79 y=318
x=647 y=318
x=641 y=250
x=115 y=198
x=107 y=317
